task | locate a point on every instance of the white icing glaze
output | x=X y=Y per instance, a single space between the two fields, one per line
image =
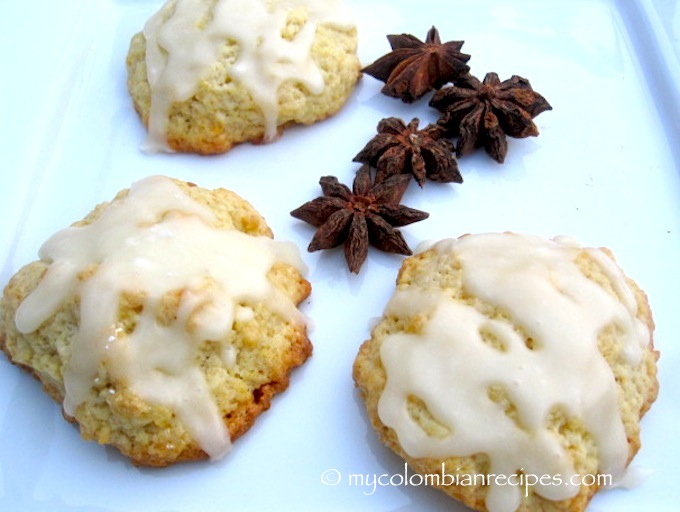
x=181 y=47
x=451 y=368
x=155 y=241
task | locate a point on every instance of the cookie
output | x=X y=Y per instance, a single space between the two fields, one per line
x=207 y=75
x=164 y=322
x=511 y=372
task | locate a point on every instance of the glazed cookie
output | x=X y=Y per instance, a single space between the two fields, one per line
x=163 y=322
x=205 y=75
x=512 y=372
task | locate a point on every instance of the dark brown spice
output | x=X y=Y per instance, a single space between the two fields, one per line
x=481 y=114
x=399 y=148
x=414 y=67
x=366 y=215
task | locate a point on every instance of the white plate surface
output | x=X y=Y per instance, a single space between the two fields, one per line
x=605 y=171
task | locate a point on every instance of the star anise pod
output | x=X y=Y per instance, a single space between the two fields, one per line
x=481 y=114
x=366 y=215
x=399 y=148
x=414 y=67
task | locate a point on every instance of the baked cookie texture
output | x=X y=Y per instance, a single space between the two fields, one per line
x=264 y=346
x=440 y=274
x=222 y=112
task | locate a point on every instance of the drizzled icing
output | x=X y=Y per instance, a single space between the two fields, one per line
x=450 y=367
x=157 y=241
x=182 y=45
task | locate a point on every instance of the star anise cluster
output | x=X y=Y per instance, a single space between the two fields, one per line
x=479 y=113
x=368 y=214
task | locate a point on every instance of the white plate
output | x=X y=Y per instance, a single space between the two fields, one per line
x=604 y=170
